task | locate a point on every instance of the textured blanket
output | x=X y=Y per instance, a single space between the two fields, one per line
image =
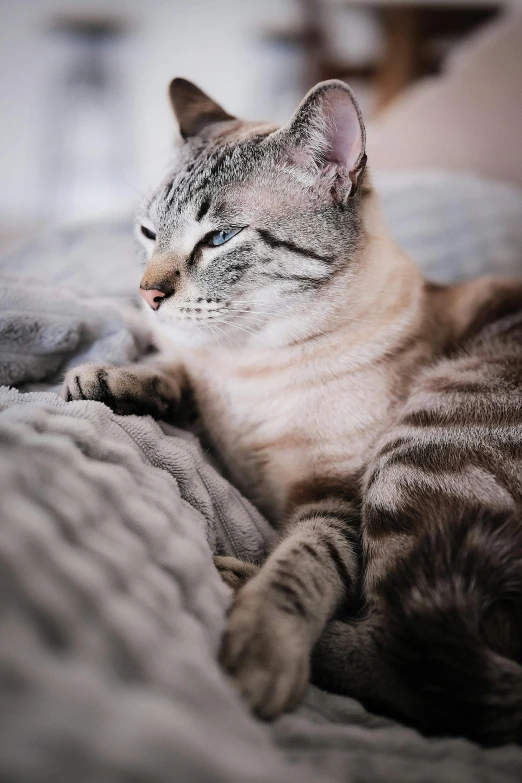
x=111 y=612
x=110 y=607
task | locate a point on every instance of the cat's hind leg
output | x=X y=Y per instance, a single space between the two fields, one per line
x=350 y=659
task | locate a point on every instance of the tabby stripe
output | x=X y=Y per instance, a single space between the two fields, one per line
x=316 y=556
x=450 y=386
x=203 y=209
x=172 y=190
x=210 y=172
x=317 y=583
x=397 y=443
x=237 y=268
x=353 y=538
x=291 y=600
x=342 y=569
x=463 y=416
x=289 y=577
x=311 y=551
x=308 y=281
x=386 y=523
x=275 y=242
x=435 y=458
x=345 y=518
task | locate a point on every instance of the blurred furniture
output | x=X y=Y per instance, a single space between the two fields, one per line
x=88 y=141
x=416 y=38
x=467 y=118
x=416 y=35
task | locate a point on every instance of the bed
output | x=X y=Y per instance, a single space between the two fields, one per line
x=111 y=609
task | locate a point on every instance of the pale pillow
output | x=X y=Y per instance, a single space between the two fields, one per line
x=469 y=118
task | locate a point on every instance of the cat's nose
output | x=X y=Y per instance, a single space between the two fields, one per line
x=153 y=296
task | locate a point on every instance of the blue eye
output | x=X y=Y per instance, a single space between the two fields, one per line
x=216 y=238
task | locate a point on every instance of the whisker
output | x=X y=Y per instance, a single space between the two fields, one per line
x=246 y=313
x=231 y=323
x=228 y=337
x=243 y=328
x=214 y=331
x=224 y=333
x=275 y=312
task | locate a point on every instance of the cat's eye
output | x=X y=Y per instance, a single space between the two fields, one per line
x=147 y=232
x=216 y=238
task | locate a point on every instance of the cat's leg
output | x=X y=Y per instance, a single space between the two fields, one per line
x=151 y=387
x=234 y=572
x=348 y=659
x=280 y=613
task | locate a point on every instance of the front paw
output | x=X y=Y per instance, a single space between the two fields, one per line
x=266 y=650
x=125 y=390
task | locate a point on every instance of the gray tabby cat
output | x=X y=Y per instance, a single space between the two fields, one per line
x=376 y=419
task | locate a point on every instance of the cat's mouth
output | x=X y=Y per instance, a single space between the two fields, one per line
x=206 y=320
x=207 y=310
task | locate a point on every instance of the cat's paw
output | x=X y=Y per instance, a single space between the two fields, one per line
x=266 y=650
x=126 y=390
x=235 y=573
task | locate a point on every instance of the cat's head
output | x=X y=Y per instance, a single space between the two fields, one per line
x=252 y=223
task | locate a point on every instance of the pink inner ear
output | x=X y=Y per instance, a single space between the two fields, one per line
x=342 y=131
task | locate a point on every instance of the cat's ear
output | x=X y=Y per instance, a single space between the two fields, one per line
x=194 y=110
x=327 y=131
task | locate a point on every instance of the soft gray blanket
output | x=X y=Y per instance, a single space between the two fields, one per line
x=110 y=616
x=110 y=607
x=66 y=299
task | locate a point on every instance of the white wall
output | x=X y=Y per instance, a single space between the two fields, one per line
x=216 y=43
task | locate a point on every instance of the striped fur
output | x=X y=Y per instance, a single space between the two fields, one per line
x=376 y=419
x=442 y=539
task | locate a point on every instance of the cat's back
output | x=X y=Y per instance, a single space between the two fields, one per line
x=480 y=309
x=460 y=430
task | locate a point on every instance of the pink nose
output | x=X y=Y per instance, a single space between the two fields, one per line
x=152 y=296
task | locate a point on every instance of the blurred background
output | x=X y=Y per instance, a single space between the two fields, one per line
x=86 y=125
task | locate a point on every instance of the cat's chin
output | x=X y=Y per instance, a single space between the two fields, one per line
x=178 y=331
x=193 y=335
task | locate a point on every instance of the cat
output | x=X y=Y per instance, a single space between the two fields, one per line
x=375 y=418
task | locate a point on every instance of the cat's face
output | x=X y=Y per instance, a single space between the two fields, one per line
x=251 y=221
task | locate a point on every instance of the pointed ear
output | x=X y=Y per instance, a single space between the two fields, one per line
x=327 y=131
x=193 y=109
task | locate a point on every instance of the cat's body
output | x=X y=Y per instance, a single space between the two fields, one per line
x=273 y=413
x=376 y=419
